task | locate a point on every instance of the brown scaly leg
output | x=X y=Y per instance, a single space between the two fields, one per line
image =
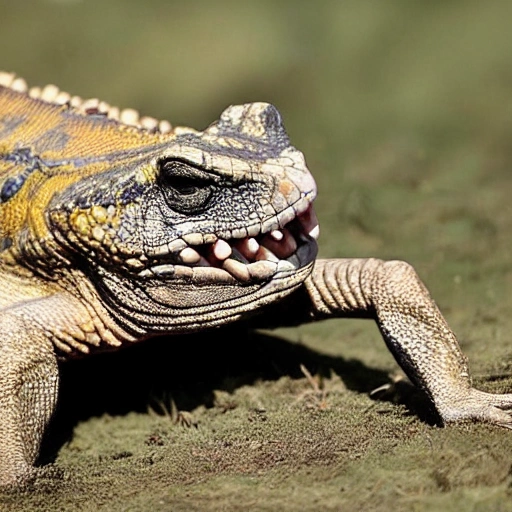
x=28 y=393
x=413 y=328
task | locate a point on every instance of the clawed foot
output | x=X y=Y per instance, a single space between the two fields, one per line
x=479 y=406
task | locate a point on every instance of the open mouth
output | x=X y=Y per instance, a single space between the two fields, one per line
x=245 y=260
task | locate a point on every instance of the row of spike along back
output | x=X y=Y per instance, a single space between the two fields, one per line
x=59 y=127
x=50 y=139
x=52 y=94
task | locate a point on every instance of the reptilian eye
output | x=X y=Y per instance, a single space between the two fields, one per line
x=186 y=188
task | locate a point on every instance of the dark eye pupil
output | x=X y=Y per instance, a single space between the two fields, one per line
x=184 y=186
x=187 y=189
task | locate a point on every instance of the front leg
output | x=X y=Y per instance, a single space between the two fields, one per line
x=412 y=326
x=28 y=393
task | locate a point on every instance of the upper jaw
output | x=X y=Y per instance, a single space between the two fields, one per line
x=275 y=251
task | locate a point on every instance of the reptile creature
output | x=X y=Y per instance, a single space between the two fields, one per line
x=115 y=228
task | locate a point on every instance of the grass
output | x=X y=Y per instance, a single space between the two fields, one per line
x=404 y=112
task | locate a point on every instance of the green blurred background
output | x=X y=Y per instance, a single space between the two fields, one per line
x=382 y=96
x=403 y=109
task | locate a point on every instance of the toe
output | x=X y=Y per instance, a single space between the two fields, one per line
x=479 y=406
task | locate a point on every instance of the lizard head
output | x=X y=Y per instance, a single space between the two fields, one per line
x=238 y=200
x=204 y=221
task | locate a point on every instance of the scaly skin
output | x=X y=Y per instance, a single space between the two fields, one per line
x=114 y=229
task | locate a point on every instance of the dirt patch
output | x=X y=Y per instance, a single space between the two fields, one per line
x=403 y=112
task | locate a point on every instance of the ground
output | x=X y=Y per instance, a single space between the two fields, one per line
x=404 y=112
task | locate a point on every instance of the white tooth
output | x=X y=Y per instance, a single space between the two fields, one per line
x=190 y=256
x=221 y=250
x=248 y=247
x=315 y=232
x=309 y=222
x=252 y=246
x=277 y=235
x=237 y=269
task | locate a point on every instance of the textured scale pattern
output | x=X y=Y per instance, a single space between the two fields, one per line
x=46 y=148
x=114 y=228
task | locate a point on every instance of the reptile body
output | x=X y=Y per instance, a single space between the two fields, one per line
x=115 y=228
